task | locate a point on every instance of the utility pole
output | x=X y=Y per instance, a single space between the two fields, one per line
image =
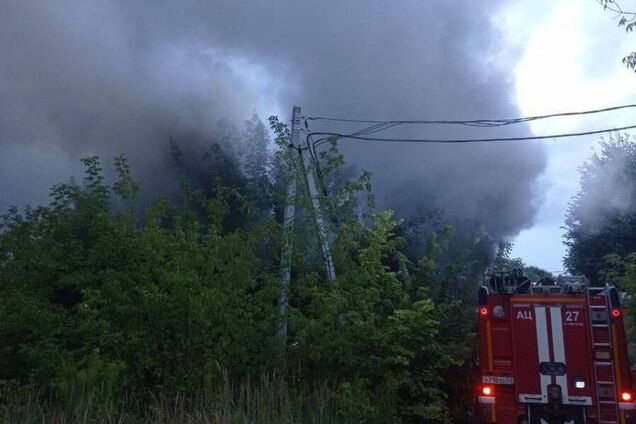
x=288 y=224
x=320 y=223
x=288 y=228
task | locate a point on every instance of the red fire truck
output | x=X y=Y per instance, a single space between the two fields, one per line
x=553 y=352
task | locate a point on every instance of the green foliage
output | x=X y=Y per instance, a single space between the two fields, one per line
x=601 y=219
x=89 y=297
x=630 y=60
x=626 y=20
x=535 y=273
x=503 y=259
x=601 y=222
x=268 y=399
x=125 y=187
x=379 y=330
x=183 y=301
x=257 y=163
x=504 y=262
x=627 y=281
x=504 y=250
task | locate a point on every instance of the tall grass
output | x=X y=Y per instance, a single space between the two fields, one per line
x=268 y=400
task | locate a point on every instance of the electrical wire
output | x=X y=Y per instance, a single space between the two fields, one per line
x=474 y=122
x=378 y=126
x=311 y=146
x=467 y=140
x=314 y=159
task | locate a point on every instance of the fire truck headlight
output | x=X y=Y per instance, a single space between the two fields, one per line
x=498 y=311
x=579 y=383
x=487 y=390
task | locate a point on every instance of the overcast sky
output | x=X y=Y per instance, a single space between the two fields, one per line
x=570 y=60
x=113 y=76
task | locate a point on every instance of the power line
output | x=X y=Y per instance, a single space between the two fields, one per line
x=378 y=126
x=474 y=122
x=314 y=159
x=328 y=135
x=311 y=146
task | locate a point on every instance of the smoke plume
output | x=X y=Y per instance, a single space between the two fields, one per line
x=105 y=77
x=607 y=189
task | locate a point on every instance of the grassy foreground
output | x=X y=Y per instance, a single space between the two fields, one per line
x=269 y=400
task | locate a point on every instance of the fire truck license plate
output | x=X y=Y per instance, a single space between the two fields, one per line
x=491 y=379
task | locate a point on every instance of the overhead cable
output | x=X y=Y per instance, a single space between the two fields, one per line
x=473 y=122
x=328 y=135
x=378 y=126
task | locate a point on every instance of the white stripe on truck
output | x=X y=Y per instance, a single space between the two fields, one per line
x=559 y=348
x=543 y=347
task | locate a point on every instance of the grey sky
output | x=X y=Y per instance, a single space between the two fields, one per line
x=117 y=76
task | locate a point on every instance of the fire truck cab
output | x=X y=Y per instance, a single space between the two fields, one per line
x=553 y=352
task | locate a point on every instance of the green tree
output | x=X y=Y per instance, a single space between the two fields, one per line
x=183 y=299
x=627 y=19
x=89 y=297
x=534 y=273
x=601 y=219
x=257 y=167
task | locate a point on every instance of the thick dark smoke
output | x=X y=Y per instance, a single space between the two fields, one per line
x=113 y=76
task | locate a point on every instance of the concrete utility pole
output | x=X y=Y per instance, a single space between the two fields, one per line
x=288 y=224
x=288 y=228
x=320 y=223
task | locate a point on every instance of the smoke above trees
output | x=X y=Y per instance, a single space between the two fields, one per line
x=602 y=216
x=110 y=77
